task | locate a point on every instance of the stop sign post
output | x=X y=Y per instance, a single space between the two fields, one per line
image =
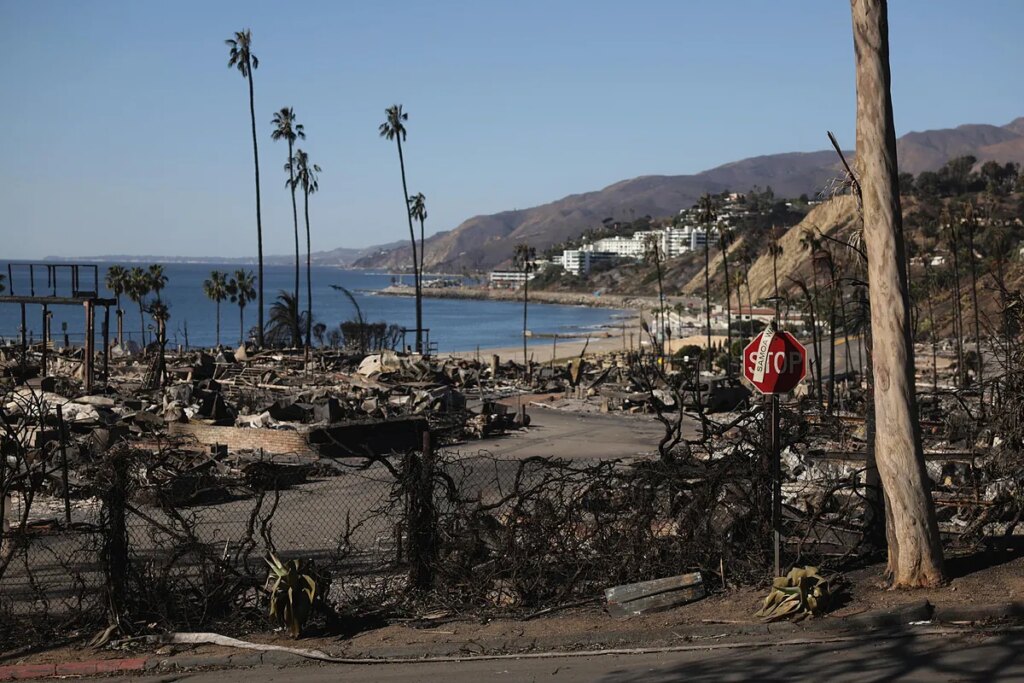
x=774 y=363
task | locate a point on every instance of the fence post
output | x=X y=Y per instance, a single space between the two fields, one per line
x=64 y=466
x=422 y=517
x=115 y=535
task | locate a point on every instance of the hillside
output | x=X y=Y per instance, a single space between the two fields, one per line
x=483 y=242
x=834 y=217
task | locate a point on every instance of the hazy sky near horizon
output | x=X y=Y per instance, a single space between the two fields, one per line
x=126 y=133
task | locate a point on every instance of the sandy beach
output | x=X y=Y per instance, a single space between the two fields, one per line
x=618 y=335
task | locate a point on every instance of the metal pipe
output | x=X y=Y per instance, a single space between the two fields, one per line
x=64 y=466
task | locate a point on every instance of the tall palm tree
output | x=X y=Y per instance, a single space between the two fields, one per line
x=138 y=288
x=725 y=239
x=286 y=128
x=216 y=289
x=930 y=285
x=305 y=174
x=393 y=128
x=117 y=281
x=775 y=250
x=739 y=278
x=161 y=314
x=418 y=211
x=241 y=290
x=157 y=279
x=825 y=260
x=240 y=56
x=946 y=218
x=816 y=365
x=707 y=218
x=653 y=255
x=970 y=227
x=523 y=260
x=747 y=259
x=810 y=243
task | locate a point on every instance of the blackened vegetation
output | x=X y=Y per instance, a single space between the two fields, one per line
x=164 y=535
x=542 y=532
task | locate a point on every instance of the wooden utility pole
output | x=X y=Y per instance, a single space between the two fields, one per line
x=915 y=551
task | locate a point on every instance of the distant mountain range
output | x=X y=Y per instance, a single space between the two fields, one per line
x=340 y=257
x=483 y=242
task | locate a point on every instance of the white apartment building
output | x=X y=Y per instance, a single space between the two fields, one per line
x=699 y=237
x=629 y=247
x=580 y=261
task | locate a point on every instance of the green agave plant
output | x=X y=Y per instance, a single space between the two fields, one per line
x=293 y=596
x=798 y=594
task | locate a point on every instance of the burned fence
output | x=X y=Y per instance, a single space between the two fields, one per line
x=178 y=537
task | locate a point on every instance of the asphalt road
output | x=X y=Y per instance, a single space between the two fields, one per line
x=967 y=657
x=562 y=434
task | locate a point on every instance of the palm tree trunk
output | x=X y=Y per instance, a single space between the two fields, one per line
x=296 y=332
x=707 y=297
x=415 y=261
x=816 y=368
x=977 y=321
x=218 y=322
x=526 y=298
x=958 y=323
x=259 y=218
x=728 y=311
x=142 y=326
x=309 y=277
x=832 y=344
x=934 y=340
x=241 y=325
x=423 y=250
x=817 y=343
x=846 y=327
x=120 y=330
x=422 y=257
x=662 y=308
x=775 y=279
x=915 y=551
x=750 y=299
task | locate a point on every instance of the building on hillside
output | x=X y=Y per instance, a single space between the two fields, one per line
x=626 y=247
x=580 y=261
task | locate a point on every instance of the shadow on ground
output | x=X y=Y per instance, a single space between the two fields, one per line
x=898 y=656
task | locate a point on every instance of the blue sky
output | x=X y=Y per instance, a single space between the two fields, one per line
x=127 y=133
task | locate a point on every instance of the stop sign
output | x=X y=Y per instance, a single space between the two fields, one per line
x=774 y=362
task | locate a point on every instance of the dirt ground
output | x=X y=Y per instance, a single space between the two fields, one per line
x=982 y=579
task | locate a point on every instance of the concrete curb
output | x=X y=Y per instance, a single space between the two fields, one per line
x=16 y=672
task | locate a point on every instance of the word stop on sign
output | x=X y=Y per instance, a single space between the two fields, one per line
x=774 y=362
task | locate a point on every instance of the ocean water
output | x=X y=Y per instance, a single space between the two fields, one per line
x=456 y=325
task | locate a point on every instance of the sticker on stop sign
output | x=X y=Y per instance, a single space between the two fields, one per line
x=774 y=362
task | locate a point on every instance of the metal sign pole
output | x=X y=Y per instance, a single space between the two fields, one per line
x=773 y=373
x=773 y=428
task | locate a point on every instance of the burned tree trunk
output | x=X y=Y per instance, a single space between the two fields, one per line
x=915 y=552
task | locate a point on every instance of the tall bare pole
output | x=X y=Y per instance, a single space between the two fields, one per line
x=915 y=552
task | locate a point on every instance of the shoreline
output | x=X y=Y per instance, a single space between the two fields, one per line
x=618 y=301
x=608 y=339
x=622 y=332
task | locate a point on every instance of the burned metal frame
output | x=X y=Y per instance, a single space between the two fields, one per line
x=52 y=295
